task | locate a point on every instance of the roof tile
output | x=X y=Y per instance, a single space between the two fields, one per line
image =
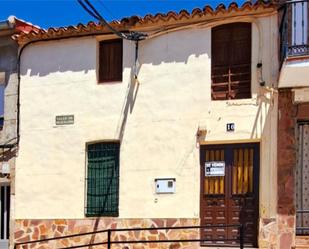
x=132 y=22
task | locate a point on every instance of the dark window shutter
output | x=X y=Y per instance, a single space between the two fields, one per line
x=110 y=60
x=231 y=61
x=103 y=179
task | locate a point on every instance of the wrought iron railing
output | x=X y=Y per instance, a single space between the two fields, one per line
x=108 y=241
x=294 y=28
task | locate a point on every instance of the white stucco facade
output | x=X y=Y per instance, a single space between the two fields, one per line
x=156 y=120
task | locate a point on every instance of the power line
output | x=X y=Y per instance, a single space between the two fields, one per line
x=91 y=10
x=87 y=10
x=107 y=9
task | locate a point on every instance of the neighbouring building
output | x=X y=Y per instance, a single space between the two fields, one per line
x=293 y=125
x=191 y=141
x=8 y=121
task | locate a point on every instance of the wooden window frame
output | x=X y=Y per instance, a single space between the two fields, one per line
x=101 y=63
x=232 y=80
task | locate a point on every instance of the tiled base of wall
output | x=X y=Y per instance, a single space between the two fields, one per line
x=273 y=233
x=268 y=234
x=302 y=242
x=26 y=230
x=286 y=231
x=278 y=233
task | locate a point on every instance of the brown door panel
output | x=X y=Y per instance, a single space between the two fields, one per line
x=232 y=199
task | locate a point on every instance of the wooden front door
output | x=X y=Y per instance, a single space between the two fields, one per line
x=232 y=198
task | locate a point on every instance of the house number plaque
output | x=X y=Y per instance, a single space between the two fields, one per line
x=215 y=168
x=230 y=127
x=65 y=120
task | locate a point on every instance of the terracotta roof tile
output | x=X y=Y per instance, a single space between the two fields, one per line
x=136 y=22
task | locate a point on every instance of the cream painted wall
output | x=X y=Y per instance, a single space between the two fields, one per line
x=161 y=116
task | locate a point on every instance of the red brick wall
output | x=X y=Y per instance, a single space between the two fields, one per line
x=289 y=114
x=303 y=111
x=286 y=169
x=286 y=153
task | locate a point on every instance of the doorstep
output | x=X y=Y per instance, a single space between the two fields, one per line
x=301 y=242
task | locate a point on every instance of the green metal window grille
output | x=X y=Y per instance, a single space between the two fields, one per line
x=103 y=179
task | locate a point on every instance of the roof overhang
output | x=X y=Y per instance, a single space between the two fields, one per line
x=14 y=25
x=152 y=23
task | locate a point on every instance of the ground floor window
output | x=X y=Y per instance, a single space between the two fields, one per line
x=302 y=179
x=102 y=179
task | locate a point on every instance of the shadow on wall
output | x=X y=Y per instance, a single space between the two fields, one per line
x=128 y=105
x=72 y=55
x=80 y=55
x=8 y=154
x=176 y=47
x=263 y=114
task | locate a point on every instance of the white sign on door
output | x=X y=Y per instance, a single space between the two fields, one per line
x=215 y=168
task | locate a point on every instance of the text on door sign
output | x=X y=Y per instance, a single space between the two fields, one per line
x=215 y=168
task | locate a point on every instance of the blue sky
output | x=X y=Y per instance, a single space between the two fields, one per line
x=55 y=13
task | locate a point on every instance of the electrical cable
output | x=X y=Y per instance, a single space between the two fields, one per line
x=97 y=16
x=132 y=36
x=105 y=7
x=94 y=9
x=87 y=10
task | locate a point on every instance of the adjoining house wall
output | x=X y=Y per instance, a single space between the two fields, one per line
x=8 y=71
x=289 y=114
x=155 y=120
x=286 y=169
x=8 y=134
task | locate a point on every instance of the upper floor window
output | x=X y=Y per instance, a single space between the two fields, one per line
x=102 y=179
x=110 y=61
x=299 y=22
x=231 y=61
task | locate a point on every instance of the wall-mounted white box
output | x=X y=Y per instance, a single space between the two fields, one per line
x=5 y=168
x=165 y=185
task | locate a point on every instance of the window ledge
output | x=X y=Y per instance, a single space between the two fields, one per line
x=240 y=102
x=109 y=82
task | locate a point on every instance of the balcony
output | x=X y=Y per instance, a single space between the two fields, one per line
x=294 y=44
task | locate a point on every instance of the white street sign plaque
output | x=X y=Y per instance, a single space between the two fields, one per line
x=64 y=119
x=215 y=168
